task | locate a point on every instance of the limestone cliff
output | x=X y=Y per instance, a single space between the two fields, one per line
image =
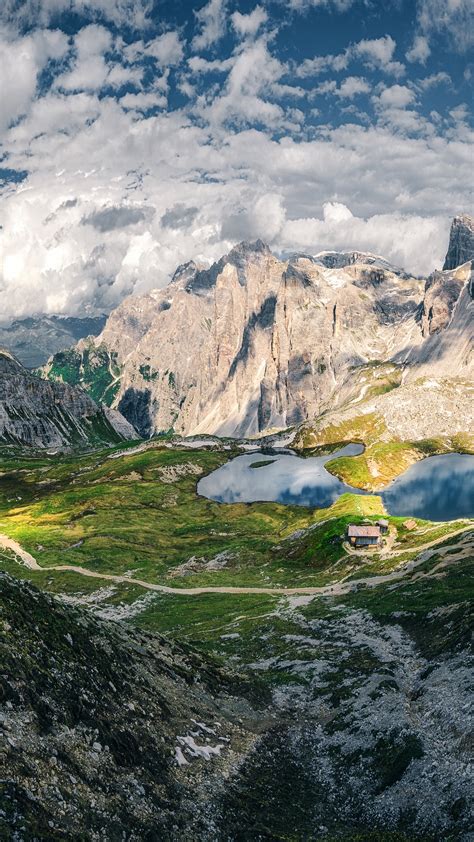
x=461 y=242
x=36 y=413
x=253 y=342
x=256 y=342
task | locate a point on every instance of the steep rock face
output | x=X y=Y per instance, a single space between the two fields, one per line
x=461 y=242
x=39 y=414
x=449 y=350
x=253 y=342
x=442 y=291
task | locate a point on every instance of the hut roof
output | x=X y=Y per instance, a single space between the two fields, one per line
x=363 y=531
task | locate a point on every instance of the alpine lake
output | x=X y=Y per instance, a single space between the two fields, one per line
x=438 y=488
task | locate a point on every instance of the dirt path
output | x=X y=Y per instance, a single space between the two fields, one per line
x=339 y=588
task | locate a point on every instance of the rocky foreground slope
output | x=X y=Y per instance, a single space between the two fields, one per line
x=114 y=734
x=35 y=413
x=256 y=342
x=107 y=733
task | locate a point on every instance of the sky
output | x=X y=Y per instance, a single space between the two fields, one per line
x=136 y=135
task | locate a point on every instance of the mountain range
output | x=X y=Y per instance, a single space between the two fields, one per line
x=257 y=343
x=33 y=340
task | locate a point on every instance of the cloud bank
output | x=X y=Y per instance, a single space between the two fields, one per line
x=142 y=152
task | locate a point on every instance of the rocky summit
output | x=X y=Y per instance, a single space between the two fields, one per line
x=461 y=242
x=257 y=342
x=35 y=413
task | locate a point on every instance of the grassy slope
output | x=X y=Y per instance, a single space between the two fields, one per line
x=384 y=458
x=149 y=527
x=140 y=515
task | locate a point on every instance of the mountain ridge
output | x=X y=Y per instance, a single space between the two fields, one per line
x=256 y=342
x=37 y=413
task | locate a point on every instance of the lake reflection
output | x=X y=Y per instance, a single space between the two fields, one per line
x=437 y=488
x=286 y=478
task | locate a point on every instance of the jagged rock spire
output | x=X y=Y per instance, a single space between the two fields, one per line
x=461 y=242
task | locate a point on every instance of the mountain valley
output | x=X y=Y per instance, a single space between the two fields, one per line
x=180 y=668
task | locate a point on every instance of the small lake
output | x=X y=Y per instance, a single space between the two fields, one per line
x=280 y=477
x=438 y=488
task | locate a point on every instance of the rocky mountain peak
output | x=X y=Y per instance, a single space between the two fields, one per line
x=461 y=242
x=249 y=249
x=240 y=256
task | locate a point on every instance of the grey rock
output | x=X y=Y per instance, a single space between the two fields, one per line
x=461 y=242
x=37 y=413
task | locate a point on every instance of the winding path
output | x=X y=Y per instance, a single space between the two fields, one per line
x=339 y=588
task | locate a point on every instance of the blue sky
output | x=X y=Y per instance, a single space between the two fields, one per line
x=136 y=135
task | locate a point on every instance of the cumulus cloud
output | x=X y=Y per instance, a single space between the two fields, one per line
x=110 y=219
x=248 y=25
x=397 y=96
x=399 y=238
x=378 y=53
x=336 y=212
x=420 y=50
x=263 y=219
x=179 y=216
x=441 y=78
x=167 y=49
x=212 y=22
x=246 y=97
x=351 y=87
x=22 y=60
x=122 y=188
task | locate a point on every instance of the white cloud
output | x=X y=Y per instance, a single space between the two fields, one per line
x=143 y=101
x=167 y=49
x=304 y=5
x=397 y=96
x=134 y=13
x=404 y=240
x=336 y=212
x=352 y=86
x=245 y=98
x=452 y=19
x=420 y=50
x=264 y=218
x=441 y=78
x=90 y=70
x=248 y=25
x=20 y=64
x=321 y=64
x=212 y=21
x=120 y=192
x=378 y=53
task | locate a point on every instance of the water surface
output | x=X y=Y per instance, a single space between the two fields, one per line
x=437 y=488
x=284 y=478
